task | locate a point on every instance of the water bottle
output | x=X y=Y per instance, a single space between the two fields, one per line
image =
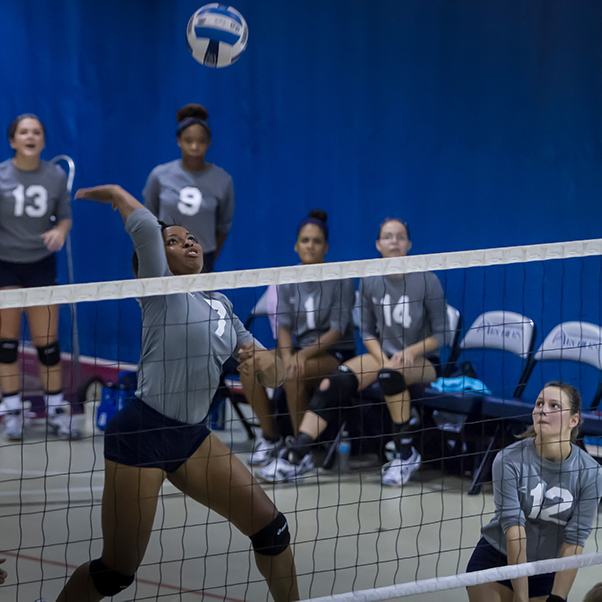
x=344 y=450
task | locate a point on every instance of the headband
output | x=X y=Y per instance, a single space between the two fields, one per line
x=318 y=222
x=185 y=123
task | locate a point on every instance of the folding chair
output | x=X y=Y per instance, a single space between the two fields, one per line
x=505 y=331
x=579 y=342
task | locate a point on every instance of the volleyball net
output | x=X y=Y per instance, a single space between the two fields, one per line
x=515 y=318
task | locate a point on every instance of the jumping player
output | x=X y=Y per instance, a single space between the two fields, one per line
x=315 y=334
x=402 y=326
x=35 y=218
x=189 y=191
x=161 y=433
x=546 y=492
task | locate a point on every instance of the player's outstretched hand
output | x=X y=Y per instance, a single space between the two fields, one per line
x=108 y=193
x=119 y=198
x=3 y=574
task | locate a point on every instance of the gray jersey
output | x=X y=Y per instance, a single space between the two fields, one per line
x=400 y=311
x=186 y=338
x=555 y=502
x=202 y=202
x=31 y=203
x=310 y=309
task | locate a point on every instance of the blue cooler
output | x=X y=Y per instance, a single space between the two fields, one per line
x=114 y=397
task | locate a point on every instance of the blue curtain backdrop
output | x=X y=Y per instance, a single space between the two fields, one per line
x=477 y=121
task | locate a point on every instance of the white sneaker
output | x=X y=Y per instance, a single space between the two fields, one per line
x=60 y=424
x=281 y=470
x=13 y=421
x=398 y=472
x=264 y=452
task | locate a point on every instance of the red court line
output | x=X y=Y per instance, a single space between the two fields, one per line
x=145 y=581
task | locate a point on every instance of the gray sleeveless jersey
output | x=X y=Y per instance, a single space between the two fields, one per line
x=186 y=338
x=202 y=202
x=310 y=309
x=555 y=502
x=399 y=311
x=31 y=203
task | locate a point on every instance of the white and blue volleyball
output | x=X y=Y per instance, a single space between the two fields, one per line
x=217 y=35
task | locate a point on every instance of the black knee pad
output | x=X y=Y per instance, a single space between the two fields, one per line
x=343 y=387
x=272 y=539
x=50 y=355
x=9 y=351
x=391 y=382
x=106 y=581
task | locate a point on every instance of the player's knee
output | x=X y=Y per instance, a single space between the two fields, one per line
x=333 y=393
x=9 y=351
x=273 y=539
x=391 y=382
x=107 y=581
x=50 y=355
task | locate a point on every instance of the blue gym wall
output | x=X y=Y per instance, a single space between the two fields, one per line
x=477 y=121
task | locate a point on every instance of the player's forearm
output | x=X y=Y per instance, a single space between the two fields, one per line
x=322 y=344
x=64 y=226
x=285 y=342
x=425 y=347
x=516 y=546
x=220 y=239
x=374 y=348
x=564 y=579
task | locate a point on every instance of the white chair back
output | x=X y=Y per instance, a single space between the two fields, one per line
x=575 y=341
x=505 y=330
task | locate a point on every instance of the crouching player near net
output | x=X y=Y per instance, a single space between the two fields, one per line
x=161 y=433
x=546 y=492
x=402 y=326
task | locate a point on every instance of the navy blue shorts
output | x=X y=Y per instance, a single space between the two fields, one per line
x=140 y=436
x=341 y=355
x=485 y=556
x=28 y=275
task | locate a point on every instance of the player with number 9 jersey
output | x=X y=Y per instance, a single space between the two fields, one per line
x=35 y=218
x=190 y=192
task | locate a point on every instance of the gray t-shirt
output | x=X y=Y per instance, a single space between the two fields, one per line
x=202 y=202
x=186 y=338
x=400 y=311
x=310 y=309
x=556 y=502
x=31 y=203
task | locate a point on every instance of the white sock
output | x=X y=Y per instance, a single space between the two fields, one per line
x=54 y=402
x=13 y=402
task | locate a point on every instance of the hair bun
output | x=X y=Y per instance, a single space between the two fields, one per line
x=192 y=110
x=319 y=214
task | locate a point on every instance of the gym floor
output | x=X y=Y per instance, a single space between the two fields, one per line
x=348 y=532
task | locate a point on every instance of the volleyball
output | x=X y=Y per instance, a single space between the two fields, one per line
x=217 y=35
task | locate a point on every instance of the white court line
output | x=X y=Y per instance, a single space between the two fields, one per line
x=166 y=487
x=48 y=491
x=41 y=473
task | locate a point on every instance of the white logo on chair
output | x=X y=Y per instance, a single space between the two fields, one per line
x=503 y=330
x=576 y=341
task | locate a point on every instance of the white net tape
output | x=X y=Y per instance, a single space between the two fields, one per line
x=146 y=287
x=466 y=579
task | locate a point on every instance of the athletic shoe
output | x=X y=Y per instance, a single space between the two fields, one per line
x=281 y=470
x=60 y=425
x=398 y=472
x=264 y=452
x=13 y=421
